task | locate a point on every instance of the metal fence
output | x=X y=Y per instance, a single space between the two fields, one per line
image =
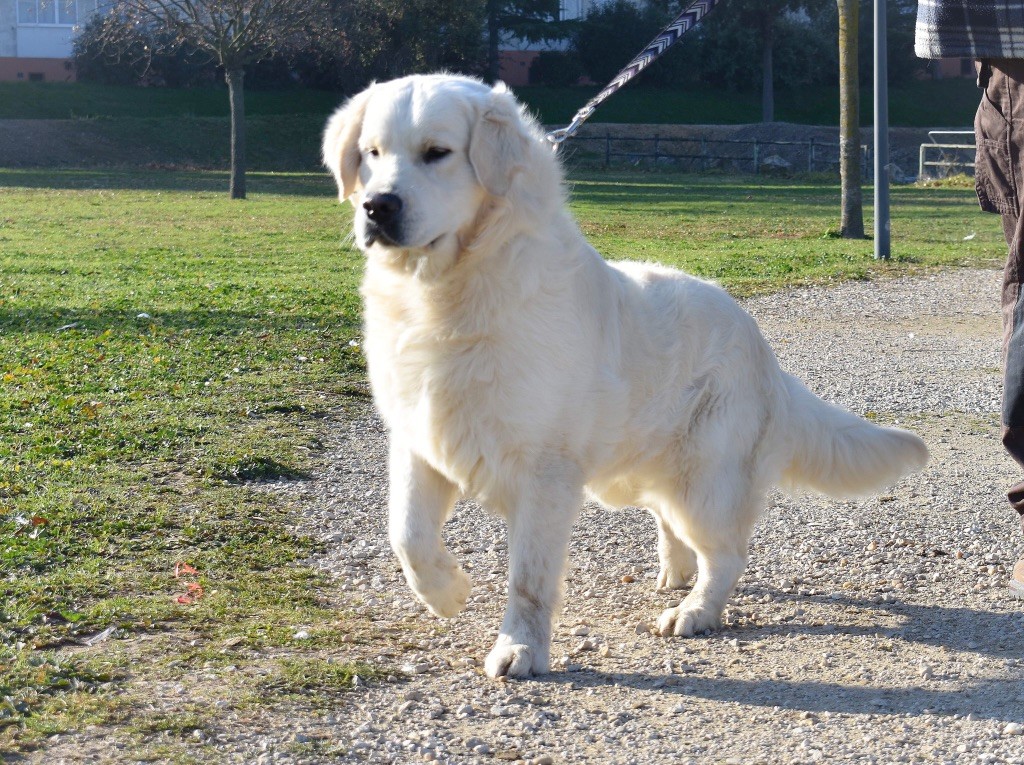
x=703 y=154
x=942 y=158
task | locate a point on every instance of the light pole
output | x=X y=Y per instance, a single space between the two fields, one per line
x=881 y=136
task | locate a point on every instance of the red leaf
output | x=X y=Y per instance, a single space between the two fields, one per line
x=183 y=568
x=38 y=520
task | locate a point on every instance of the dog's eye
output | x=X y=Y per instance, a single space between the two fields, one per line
x=373 y=152
x=435 y=154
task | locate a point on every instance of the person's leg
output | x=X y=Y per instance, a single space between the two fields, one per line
x=999 y=127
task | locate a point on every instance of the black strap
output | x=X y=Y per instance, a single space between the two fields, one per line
x=984 y=74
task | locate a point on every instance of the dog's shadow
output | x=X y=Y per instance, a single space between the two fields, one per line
x=994 y=635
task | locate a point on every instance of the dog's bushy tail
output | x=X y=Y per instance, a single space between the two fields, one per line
x=842 y=455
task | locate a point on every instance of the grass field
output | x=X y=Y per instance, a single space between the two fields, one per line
x=920 y=104
x=162 y=347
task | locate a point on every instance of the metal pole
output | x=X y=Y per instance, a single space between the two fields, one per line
x=881 y=136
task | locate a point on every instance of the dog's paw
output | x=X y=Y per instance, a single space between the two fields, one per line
x=671 y=578
x=445 y=593
x=687 y=621
x=513 y=660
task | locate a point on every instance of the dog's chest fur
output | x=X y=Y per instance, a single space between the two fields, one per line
x=443 y=381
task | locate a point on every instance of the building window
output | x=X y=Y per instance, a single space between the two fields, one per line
x=56 y=12
x=28 y=12
x=67 y=12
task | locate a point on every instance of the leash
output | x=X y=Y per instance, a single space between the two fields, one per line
x=682 y=24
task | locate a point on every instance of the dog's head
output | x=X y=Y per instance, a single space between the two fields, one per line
x=420 y=157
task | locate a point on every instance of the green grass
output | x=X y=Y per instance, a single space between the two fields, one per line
x=756 y=234
x=33 y=100
x=923 y=103
x=161 y=346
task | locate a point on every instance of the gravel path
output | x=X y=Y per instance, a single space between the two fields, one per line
x=873 y=631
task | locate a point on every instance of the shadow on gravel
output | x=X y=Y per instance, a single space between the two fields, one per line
x=989 y=699
x=958 y=630
x=992 y=633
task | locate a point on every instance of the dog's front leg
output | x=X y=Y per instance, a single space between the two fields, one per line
x=539 y=523
x=420 y=500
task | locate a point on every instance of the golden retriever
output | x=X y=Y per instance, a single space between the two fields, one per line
x=511 y=363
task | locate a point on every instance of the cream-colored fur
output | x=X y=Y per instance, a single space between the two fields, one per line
x=511 y=363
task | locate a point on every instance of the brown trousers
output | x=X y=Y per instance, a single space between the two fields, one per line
x=999 y=175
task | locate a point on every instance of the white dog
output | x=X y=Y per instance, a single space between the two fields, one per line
x=513 y=364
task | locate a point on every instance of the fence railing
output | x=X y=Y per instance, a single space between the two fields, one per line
x=940 y=160
x=702 y=153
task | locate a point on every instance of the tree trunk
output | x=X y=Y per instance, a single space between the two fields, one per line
x=852 y=223
x=236 y=94
x=767 y=74
x=493 y=39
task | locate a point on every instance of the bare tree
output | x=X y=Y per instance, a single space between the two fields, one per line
x=852 y=223
x=764 y=18
x=234 y=33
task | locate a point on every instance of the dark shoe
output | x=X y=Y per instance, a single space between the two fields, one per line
x=1017 y=580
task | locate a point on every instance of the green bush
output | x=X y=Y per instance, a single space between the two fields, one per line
x=556 y=68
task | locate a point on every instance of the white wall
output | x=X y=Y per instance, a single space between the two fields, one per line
x=44 y=41
x=22 y=40
x=8 y=24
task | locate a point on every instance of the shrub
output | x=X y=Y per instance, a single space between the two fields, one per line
x=556 y=68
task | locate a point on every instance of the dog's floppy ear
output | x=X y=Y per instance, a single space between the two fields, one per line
x=341 y=143
x=500 y=143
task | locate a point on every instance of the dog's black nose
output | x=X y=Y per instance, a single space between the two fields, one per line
x=383 y=209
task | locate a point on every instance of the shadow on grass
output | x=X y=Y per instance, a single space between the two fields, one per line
x=615 y=188
x=169 y=179
x=254 y=467
x=683 y=191
x=72 y=322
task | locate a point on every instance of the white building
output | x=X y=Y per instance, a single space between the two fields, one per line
x=578 y=9
x=36 y=37
x=518 y=55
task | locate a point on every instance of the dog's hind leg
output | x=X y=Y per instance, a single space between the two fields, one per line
x=716 y=522
x=419 y=502
x=539 y=524
x=677 y=562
